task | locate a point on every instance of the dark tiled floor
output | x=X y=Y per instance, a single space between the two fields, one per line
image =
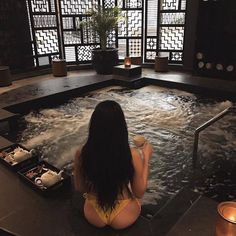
x=174 y=209
x=25 y=212
x=198 y=220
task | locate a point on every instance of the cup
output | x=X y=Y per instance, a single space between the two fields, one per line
x=139 y=141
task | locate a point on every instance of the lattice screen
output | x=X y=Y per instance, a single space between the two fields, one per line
x=160 y=29
x=44 y=31
x=130 y=33
x=165 y=22
x=78 y=41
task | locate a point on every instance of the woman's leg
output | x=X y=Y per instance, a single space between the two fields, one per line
x=92 y=216
x=127 y=216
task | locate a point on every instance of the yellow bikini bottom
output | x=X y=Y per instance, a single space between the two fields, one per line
x=108 y=216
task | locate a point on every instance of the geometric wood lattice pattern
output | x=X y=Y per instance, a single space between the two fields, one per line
x=47 y=41
x=45 y=21
x=133 y=4
x=78 y=40
x=172 y=18
x=171 y=38
x=76 y=7
x=151 y=43
x=40 y=5
x=130 y=31
x=85 y=52
x=176 y=56
x=150 y=55
x=163 y=31
x=170 y=5
x=134 y=19
x=44 y=30
x=135 y=46
x=167 y=34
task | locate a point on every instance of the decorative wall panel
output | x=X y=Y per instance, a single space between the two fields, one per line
x=112 y=41
x=135 y=46
x=170 y=4
x=161 y=26
x=43 y=22
x=70 y=54
x=109 y=3
x=134 y=4
x=165 y=22
x=171 y=38
x=130 y=30
x=40 y=5
x=122 y=48
x=151 y=43
x=78 y=40
x=76 y=7
x=172 y=18
x=47 y=41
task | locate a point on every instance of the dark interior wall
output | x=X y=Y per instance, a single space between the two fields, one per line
x=215 y=48
x=15 y=45
x=190 y=32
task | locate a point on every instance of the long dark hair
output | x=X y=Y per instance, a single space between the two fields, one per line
x=106 y=161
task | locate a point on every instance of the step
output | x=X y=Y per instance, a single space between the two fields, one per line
x=173 y=210
x=8 y=120
x=7 y=115
x=200 y=219
x=4 y=143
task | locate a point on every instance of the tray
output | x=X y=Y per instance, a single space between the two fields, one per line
x=16 y=166
x=30 y=173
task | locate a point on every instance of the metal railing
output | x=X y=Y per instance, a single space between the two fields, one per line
x=204 y=126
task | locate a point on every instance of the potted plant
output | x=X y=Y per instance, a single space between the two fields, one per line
x=102 y=21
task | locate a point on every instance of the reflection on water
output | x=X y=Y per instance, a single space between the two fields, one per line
x=166 y=117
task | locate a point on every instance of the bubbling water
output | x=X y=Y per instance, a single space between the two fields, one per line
x=166 y=117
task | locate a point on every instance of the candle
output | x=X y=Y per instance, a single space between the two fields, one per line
x=127 y=62
x=229 y=213
x=226 y=222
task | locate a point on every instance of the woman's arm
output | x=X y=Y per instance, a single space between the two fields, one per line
x=141 y=169
x=78 y=180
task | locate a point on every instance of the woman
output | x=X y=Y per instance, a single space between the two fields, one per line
x=112 y=176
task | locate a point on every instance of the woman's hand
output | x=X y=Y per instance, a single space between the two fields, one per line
x=147 y=151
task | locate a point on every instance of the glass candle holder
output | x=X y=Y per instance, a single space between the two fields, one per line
x=127 y=62
x=226 y=219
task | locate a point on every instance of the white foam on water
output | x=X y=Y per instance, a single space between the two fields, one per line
x=38 y=140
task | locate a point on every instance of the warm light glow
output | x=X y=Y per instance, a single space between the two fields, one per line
x=226 y=223
x=127 y=62
x=233 y=218
x=229 y=213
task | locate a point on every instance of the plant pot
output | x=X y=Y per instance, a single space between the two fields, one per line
x=104 y=60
